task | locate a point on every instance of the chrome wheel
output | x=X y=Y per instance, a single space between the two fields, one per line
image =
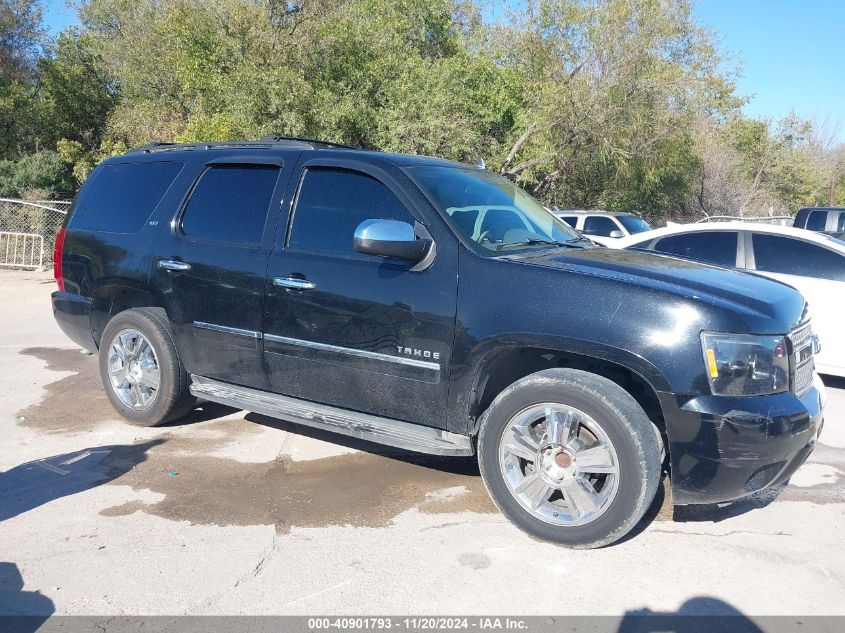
x=133 y=369
x=559 y=464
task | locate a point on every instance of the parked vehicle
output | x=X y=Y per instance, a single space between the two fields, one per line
x=811 y=262
x=435 y=307
x=602 y=226
x=828 y=220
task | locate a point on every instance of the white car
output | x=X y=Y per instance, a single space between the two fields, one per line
x=603 y=227
x=813 y=263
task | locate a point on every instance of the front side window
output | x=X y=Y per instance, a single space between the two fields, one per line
x=122 y=196
x=599 y=225
x=634 y=224
x=817 y=220
x=714 y=247
x=787 y=256
x=332 y=203
x=489 y=211
x=230 y=204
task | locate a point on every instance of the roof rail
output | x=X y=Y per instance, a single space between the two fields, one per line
x=265 y=143
x=276 y=138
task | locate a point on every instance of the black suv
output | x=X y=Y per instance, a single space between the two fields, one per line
x=436 y=307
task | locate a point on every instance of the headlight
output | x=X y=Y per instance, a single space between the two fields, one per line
x=744 y=364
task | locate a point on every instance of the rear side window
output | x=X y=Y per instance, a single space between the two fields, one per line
x=571 y=220
x=230 y=204
x=840 y=224
x=715 y=247
x=817 y=220
x=122 y=196
x=776 y=254
x=333 y=202
x=596 y=225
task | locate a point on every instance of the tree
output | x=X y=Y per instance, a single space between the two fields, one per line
x=615 y=89
x=42 y=172
x=21 y=34
x=74 y=98
x=20 y=37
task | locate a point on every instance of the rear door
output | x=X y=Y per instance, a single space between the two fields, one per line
x=361 y=332
x=210 y=266
x=819 y=274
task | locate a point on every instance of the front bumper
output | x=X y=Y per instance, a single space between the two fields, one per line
x=724 y=448
x=73 y=314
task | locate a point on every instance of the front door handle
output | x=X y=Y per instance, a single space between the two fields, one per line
x=293 y=282
x=172 y=264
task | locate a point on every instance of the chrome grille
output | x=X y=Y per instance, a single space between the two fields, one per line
x=801 y=358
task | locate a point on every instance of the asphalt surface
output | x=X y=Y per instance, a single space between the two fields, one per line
x=233 y=513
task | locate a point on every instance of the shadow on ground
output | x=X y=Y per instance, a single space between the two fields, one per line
x=702 y=614
x=15 y=602
x=30 y=485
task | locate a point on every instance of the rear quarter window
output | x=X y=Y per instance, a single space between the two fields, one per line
x=122 y=196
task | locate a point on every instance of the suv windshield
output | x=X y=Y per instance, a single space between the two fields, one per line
x=633 y=224
x=490 y=211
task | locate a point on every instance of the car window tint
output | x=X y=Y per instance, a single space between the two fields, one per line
x=596 y=225
x=817 y=220
x=230 y=204
x=840 y=225
x=571 y=220
x=333 y=202
x=634 y=224
x=122 y=196
x=715 y=247
x=789 y=256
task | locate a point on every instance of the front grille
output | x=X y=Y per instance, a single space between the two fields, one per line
x=801 y=358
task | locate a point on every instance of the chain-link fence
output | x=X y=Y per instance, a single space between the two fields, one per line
x=28 y=231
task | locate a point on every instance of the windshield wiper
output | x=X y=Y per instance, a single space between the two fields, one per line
x=532 y=241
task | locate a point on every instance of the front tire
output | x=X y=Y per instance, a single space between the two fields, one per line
x=569 y=457
x=140 y=368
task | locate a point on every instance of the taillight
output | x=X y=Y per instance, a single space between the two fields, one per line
x=58 y=250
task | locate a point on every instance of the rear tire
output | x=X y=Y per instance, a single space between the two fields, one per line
x=140 y=368
x=569 y=457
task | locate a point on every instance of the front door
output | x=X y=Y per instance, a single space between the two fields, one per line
x=358 y=331
x=210 y=267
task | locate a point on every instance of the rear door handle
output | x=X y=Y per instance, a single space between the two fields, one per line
x=293 y=282
x=172 y=264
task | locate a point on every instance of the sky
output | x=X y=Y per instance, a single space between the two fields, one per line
x=791 y=52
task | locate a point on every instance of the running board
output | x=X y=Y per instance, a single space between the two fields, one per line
x=413 y=437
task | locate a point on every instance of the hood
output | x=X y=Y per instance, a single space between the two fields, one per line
x=746 y=292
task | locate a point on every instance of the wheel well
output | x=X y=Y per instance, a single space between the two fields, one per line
x=114 y=300
x=513 y=364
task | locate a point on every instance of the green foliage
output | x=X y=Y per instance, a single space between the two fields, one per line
x=74 y=99
x=43 y=172
x=618 y=104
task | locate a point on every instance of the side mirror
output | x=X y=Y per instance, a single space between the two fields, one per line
x=390 y=238
x=617 y=233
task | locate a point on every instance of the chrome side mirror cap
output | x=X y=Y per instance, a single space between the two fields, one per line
x=390 y=238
